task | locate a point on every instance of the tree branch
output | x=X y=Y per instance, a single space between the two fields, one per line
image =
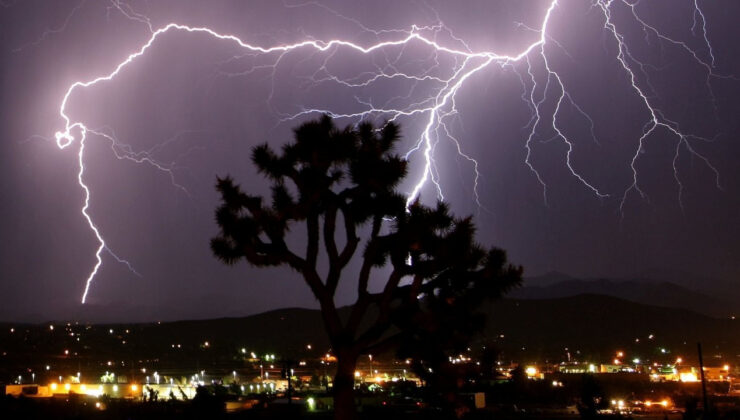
x=350 y=247
x=383 y=321
x=367 y=263
x=350 y=232
x=330 y=221
x=329 y=311
x=335 y=269
x=312 y=247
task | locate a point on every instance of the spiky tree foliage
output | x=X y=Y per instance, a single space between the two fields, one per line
x=326 y=177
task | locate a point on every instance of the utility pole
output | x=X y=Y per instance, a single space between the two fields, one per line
x=703 y=382
x=287 y=372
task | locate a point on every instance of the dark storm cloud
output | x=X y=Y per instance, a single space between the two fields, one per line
x=187 y=96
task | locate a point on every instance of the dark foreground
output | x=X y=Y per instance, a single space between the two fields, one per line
x=67 y=409
x=12 y=408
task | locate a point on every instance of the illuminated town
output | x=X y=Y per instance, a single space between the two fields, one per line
x=95 y=365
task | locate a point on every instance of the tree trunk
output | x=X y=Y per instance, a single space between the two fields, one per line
x=344 y=387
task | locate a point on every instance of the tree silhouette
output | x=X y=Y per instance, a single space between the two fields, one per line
x=341 y=185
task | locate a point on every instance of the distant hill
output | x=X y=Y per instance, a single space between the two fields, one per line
x=588 y=326
x=727 y=289
x=597 y=326
x=657 y=293
x=547 y=279
x=209 y=306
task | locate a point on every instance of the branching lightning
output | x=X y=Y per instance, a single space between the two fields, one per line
x=437 y=107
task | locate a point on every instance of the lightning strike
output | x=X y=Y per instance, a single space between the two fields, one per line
x=437 y=108
x=657 y=119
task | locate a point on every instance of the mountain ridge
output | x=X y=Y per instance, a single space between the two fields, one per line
x=657 y=293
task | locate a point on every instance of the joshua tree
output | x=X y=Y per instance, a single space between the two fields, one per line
x=340 y=184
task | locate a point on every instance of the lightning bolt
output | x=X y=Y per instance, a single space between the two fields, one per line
x=452 y=64
x=657 y=119
x=51 y=31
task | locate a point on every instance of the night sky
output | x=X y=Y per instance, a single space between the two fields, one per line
x=196 y=105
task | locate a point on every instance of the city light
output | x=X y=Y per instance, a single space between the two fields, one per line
x=688 y=377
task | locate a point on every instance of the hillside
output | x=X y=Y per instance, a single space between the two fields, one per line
x=655 y=293
x=597 y=326
x=589 y=326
